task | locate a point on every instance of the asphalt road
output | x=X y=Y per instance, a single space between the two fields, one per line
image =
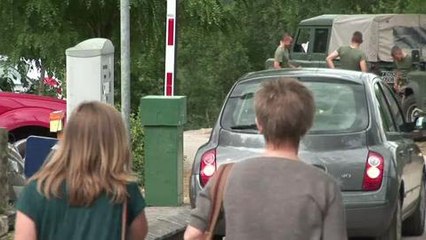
x=404 y=238
x=415 y=238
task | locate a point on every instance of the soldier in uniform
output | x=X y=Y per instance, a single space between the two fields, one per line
x=403 y=64
x=351 y=57
x=282 y=54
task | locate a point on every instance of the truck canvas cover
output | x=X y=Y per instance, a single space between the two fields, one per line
x=380 y=33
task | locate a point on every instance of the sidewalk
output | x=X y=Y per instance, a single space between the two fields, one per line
x=167 y=222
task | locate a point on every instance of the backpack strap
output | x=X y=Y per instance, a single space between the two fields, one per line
x=124 y=220
x=216 y=196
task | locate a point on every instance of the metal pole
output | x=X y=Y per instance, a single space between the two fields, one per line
x=175 y=83
x=125 y=61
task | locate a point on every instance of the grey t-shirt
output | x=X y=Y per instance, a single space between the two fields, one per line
x=275 y=198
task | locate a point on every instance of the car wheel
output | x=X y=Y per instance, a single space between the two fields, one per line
x=409 y=107
x=414 y=225
x=394 y=231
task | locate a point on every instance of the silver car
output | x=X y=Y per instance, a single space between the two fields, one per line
x=359 y=137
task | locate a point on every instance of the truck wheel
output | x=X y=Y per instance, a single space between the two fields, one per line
x=414 y=225
x=409 y=107
x=394 y=231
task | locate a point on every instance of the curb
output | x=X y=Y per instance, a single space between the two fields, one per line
x=167 y=223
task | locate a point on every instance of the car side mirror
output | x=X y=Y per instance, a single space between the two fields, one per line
x=421 y=123
x=416 y=130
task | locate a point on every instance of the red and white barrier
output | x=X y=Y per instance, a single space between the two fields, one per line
x=169 y=78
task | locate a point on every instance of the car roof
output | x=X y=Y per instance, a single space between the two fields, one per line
x=345 y=75
x=323 y=20
x=328 y=19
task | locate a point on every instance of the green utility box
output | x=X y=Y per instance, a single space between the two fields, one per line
x=163 y=119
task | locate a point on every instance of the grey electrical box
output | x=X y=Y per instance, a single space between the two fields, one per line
x=90 y=72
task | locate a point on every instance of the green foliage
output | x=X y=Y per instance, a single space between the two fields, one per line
x=6 y=84
x=416 y=6
x=42 y=30
x=137 y=144
x=210 y=66
x=218 y=40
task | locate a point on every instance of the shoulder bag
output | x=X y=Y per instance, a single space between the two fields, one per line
x=216 y=196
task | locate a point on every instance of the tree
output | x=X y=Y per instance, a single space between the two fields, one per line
x=41 y=30
x=218 y=40
x=416 y=6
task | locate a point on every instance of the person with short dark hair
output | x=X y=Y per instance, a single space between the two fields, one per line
x=276 y=195
x=351 y=57
x=403 y=64
x=282 y=53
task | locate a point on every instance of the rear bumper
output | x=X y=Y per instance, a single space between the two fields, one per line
x=368 y=219
x=369 y=214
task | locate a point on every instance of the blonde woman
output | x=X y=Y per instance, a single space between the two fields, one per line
x=82 y=191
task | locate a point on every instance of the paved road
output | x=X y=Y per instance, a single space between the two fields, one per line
x=416 y=238
x=404 y=238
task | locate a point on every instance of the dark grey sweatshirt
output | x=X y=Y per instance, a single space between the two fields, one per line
x=275 y=198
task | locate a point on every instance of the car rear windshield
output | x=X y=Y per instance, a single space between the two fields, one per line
x=341 y=106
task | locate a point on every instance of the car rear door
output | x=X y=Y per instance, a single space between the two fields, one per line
x=412 y=161
x=394 y=141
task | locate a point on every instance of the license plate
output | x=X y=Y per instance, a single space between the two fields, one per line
x=388 y=76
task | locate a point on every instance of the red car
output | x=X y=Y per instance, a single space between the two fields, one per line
x=25 y=114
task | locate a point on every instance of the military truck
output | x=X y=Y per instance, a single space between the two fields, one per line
x=316 y=37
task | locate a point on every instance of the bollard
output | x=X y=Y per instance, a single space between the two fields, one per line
x=163 y=119
x=4 y=181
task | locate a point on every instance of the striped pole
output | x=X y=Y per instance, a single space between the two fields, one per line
x=169 y=78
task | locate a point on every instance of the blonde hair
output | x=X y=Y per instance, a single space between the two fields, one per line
x=92 y=158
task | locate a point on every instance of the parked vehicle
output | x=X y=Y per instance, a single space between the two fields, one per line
x=25 y=114
x=359 y=136
x=317 y=37
x=15 y=172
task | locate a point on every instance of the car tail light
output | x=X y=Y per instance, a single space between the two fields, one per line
x=373 y=175
x=207 y=166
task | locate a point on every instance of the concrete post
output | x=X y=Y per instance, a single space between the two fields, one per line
x=4 y=182
x=163 y=119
